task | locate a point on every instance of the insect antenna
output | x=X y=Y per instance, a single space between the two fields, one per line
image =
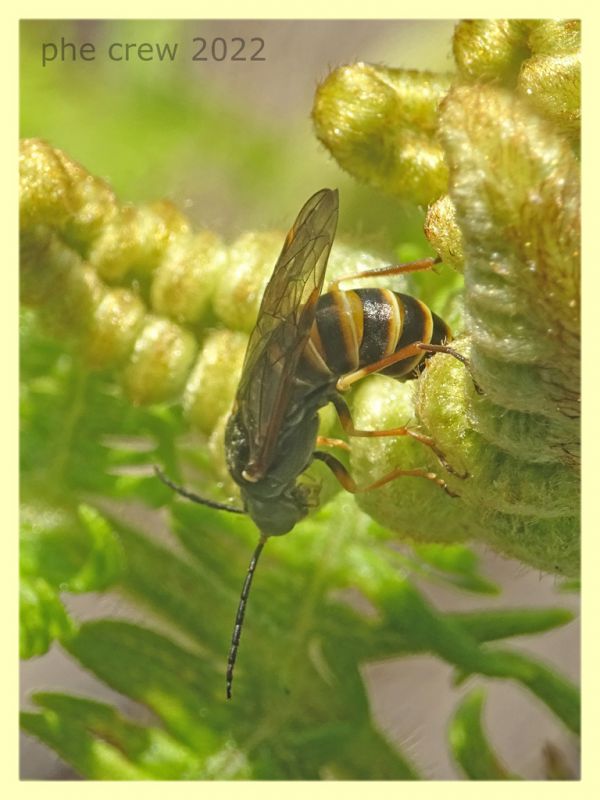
x=203 y=501
x=239 y=617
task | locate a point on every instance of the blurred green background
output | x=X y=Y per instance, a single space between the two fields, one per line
x=231 y=143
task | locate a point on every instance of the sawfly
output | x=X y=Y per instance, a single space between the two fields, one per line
x=305 y=350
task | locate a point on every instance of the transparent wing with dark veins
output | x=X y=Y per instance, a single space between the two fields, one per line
x=284 y=321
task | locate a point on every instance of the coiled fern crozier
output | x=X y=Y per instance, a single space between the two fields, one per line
x=494 y=150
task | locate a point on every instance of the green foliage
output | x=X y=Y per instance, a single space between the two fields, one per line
x=42 y=617
x=469 y=744
x=303 y=645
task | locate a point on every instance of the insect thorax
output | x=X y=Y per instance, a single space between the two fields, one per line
x=275 y=501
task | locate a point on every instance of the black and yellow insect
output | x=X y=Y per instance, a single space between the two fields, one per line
x=305 y=349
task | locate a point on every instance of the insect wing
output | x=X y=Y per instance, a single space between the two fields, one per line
x=284 y=321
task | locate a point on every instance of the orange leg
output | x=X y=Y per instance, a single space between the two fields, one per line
x=326 y=441
x=405 y=352
x=348 y=482
x=345 y=417
x=395 y=269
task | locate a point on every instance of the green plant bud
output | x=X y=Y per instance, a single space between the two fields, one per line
x=380 y=126
x=93 y=203
x=71 y=311
x=380 y=403
x=444 y=234
x=183 y=284
x=160 y=363
x=56 y=280
x=59 y=192
x=45 y=263
x=117 y=240
x=540 y=58
x=113 y=328
x=555 y=37
x=43 y=185
x=239 y=291
x=552 y=85
x=74 y=303
x=490 y=49
x=136 y=240
x=211 y=387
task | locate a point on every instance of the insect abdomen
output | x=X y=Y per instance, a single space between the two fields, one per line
x=355 y=328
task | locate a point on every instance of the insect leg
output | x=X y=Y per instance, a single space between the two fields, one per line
x=339 y=470
x=345 y=417
x=326 y=441
x=349 y=484
x=443 y=348
x=415 y=473
x=395 y=269
x=405 y=352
